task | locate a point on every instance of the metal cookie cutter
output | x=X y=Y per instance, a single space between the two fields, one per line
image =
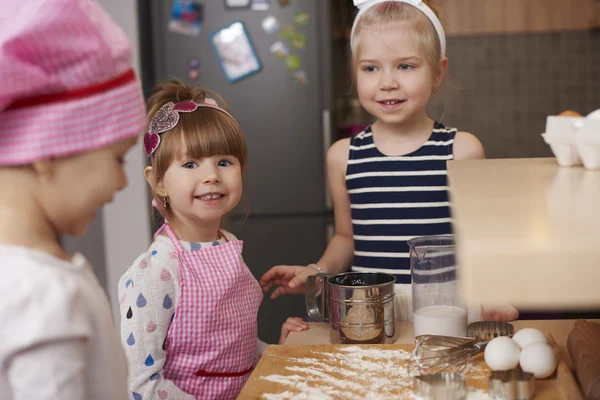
x=483 y=331
x=440 y=386
x=513 y=384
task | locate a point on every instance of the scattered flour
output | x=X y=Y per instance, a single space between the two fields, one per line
x=354 y=372
x=351 y=373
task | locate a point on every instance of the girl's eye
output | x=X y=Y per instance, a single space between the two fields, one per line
x=405 y=67
x=225 y=163
x=189 y=165
x=369 y=68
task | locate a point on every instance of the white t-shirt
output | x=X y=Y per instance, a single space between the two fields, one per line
x=57 y=335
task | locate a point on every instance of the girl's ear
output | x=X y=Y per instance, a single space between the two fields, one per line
x=440 y=72
x=156 y=185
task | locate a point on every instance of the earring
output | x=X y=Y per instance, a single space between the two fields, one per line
x=165 y=202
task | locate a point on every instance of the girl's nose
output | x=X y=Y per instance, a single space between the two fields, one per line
x=122 y=182
x=389 y=82
x=212 y=177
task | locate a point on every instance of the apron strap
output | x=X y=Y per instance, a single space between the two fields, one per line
x=221 y=234
x=169 y=231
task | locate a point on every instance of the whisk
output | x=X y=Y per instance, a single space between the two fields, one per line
x=435 y=353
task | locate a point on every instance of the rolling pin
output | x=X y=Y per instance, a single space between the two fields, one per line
x=583 y=345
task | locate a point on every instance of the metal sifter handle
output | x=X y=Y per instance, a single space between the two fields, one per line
x=317 y=297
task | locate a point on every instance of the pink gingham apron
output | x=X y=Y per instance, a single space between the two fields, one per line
x=212 y=340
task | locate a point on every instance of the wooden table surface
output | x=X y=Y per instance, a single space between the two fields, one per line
x=308 y=365
x=318 y=333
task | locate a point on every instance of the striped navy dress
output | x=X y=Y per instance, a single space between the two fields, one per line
x=394 y=199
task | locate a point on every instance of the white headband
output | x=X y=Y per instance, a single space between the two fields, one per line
x=363 y=5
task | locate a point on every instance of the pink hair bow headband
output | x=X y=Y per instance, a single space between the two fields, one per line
x=363 y=5
x=167 y=118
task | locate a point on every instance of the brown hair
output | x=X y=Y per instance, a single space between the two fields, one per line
x=428 y=41
x=204 y=133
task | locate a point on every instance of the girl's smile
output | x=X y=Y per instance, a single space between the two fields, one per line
x=212 y=198
x=391 y=104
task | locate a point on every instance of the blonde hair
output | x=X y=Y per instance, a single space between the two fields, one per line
x=203 y=133
x=425 y=35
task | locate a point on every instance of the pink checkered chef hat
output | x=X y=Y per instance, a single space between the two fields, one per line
x=66 y=80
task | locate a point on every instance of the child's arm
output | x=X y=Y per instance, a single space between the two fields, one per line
x=292 y=324
x=467 y=147
x=148 y=293
x=338 y=255
x=340 y=251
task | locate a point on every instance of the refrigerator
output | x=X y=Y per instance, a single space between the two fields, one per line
x=286 y=123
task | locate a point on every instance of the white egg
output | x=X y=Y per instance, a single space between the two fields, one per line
x=525 y=336
x=502 y=353
x=539 y=359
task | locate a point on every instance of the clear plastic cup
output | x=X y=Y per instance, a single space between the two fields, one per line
x=437 y=305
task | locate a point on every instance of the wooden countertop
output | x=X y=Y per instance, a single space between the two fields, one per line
x=527 y=231
x=318 y=333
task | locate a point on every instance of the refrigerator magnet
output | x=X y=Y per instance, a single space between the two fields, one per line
x=299 y=78
x=237 y=3
x=193 y=63
x=301 y=18
x=235 y=53
x=298 y=40
x=292 y=61
x=284 y=3
x=279 y=49
x=186 y=17
x=270 y=24
x=261 y=5
x=193 y=74
x=288 y=32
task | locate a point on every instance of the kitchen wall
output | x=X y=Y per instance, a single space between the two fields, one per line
x=509 y=84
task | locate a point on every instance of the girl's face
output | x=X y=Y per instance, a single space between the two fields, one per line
x=78 y=185
x=202 y=190
x=393 y=79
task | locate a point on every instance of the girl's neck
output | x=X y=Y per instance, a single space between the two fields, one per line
x=396 y=140
x=412 y=129
x=24 y=222
x=199 y=231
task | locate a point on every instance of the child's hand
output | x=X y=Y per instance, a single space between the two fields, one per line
x=289 y=278
x=499 y=312
x=292 y=324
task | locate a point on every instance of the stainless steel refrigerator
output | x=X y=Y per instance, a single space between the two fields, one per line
x=287 y=128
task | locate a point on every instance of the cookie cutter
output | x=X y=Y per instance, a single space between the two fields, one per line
x=514 y=384
x=440 y=386
x=483 y=331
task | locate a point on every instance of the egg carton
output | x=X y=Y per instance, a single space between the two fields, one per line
x=574 y=140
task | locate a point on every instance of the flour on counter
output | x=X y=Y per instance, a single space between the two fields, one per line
x=351 y=373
